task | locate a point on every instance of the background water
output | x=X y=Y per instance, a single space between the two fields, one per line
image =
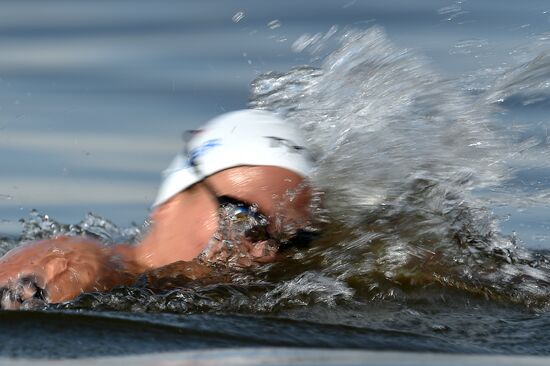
x=94 y=97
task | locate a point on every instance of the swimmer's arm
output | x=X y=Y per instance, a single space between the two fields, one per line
x=57 y=270
x=60 y=269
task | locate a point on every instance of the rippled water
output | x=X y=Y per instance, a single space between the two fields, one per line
x=417 y=170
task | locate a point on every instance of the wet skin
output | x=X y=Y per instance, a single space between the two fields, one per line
x=57 y=270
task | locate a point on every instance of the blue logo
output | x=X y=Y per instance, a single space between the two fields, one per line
x=202 y=149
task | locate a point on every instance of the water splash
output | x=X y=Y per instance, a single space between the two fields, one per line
x=306 y=289
x=238 y=16
x=274 y=24
x=40 y=226
x=453 y=11
x=379 y=119
x=468 y=46
x=528 y=83
x=402 y=156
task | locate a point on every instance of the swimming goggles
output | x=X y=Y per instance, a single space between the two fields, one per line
x=244 y=218
x=252 y=223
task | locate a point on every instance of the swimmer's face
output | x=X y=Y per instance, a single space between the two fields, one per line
x=280 y=195
x=187 y=223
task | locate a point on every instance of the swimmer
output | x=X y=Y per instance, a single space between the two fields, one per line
x=240 y=179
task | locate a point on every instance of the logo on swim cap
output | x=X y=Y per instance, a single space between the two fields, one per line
x=291 y=146
x=238 y=138
x=278 y=142
x=202 y=149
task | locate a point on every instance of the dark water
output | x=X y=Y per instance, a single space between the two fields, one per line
x=428 y=123
x=69 y=334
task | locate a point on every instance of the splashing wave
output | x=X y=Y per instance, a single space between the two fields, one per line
x=402 y=155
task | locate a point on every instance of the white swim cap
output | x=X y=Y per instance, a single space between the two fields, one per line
x=245 y=137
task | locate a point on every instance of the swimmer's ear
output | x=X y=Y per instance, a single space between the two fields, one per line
x=55 y=267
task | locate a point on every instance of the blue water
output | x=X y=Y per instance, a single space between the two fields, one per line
x=94 y=97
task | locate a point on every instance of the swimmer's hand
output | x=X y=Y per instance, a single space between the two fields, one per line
x=24 y=293
x=54 y=271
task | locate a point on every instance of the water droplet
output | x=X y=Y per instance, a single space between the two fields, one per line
x=467 y=46
x=440 y=328
x=6 y=197
x=452 y=11
x=238 y=16
x=305 y=41
x=274 y=24
x=449 y=9
x=351 y=3
x=314 y=43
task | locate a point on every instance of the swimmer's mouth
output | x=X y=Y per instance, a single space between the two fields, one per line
x=25 y=293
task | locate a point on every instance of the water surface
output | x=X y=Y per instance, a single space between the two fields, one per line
x=429 y=127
